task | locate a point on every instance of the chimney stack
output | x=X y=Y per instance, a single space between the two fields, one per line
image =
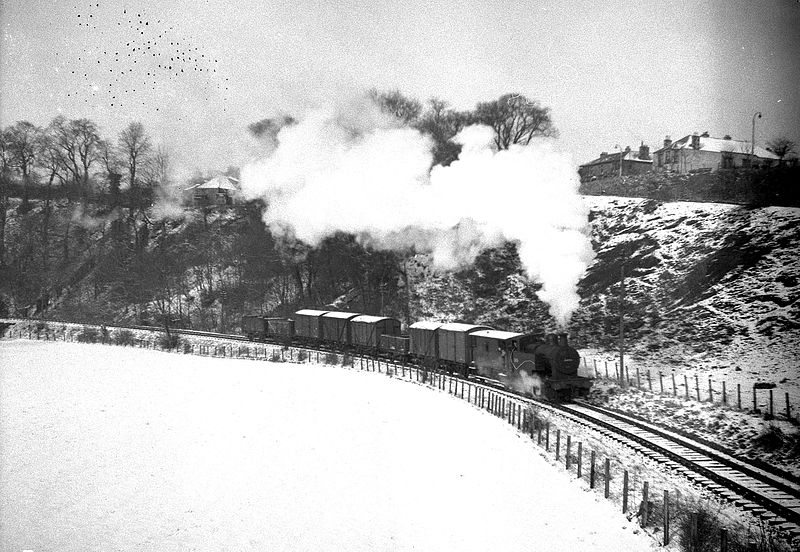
x=644 y=152
x=695 y=141
x=667 y=142
x=705 y=134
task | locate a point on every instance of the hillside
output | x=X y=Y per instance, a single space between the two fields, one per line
x=708 y=286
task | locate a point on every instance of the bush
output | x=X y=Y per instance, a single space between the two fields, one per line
x=331 y=358
x=123 y=337
x=275 y=356
x=302 y=355
x=169 y=341
x=88 y=335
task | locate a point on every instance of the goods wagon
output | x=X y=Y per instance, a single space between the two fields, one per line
x=424 y=340
x=254 y=327
x=366 y=331
x=396 y=345
x=308 y=324
x=280 y=328
x=455 y=343
x=336 y=327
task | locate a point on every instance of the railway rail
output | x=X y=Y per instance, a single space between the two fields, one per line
x=774 y=498
x=769 y=495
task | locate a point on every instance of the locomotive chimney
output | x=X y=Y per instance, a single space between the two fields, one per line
x=552 y=339
x=562 y=340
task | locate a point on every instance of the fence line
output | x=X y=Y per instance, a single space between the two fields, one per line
x=765 y=398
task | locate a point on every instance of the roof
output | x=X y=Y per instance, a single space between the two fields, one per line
x=342 y=315
x=456 y=327
x=627 y=155
x=425 y=325
x=719 y=145
x=497 y=334
x=309 y=312
x=366 y=318
x=220 y=182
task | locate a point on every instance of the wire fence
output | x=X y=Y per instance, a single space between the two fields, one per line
x=759 y=398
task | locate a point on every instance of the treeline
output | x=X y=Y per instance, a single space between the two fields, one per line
x=83 y=241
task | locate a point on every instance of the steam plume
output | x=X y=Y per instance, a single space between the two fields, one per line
x=354 y=169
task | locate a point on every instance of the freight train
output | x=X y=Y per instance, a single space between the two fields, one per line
x=532 y=364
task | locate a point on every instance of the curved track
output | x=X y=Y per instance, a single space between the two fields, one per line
x=774 y=498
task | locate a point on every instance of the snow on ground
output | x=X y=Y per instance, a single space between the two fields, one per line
x=110 y=448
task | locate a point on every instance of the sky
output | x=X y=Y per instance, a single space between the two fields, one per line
x=618 y=73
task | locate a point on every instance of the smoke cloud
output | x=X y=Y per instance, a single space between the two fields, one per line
x=354 y=169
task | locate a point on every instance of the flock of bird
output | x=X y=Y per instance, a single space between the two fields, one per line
x=127 y=54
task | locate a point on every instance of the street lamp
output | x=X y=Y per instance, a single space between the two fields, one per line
x=621 y=155
x=753 y=135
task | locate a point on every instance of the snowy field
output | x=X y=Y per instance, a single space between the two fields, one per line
x=109 y=448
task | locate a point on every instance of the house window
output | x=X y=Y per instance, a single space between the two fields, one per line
x=727 y=160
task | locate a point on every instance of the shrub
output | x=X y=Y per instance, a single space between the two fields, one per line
x=123 y=337
x=770 y=438
x=275 y=356
x=302 y=355
x=331 y=358
x=168 y=341
x=88 y=335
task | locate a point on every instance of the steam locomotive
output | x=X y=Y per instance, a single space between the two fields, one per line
x=532 y=364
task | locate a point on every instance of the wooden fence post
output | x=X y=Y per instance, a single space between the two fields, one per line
x=674 y=387
x=649 y=382
x=625 y=491
x=724 y=393
x=606 y=369
x=666 y=518
x=710 y=392
x=788 y=408
x=547 y=437
x=608 y=478
x=723 y=540
x=771 y=410
x=569 y=446
x=591 y=471
x=661 y=381
x=638 y=379
x=755 y=403
x=686 y=384
x=645 y=503
x=558 y=445
x=580 y=459
x=739 y=396
x=697 y=386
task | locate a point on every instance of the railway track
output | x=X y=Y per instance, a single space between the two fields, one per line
x=771 y=496
x=774 y=498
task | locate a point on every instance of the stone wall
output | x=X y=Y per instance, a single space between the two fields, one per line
x=776 y=186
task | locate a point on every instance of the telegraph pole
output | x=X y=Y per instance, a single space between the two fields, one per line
x=621 y=325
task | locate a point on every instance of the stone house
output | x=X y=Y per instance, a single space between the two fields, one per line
x=702 y=153
x=623 y=163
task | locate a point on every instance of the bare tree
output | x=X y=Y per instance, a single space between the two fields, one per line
x=23 y=142
x=395 y=103
x=77 y=142
x=134 y=146
x=781 y=146
x=5 y=170
x=515 y=119
x=442 y=123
